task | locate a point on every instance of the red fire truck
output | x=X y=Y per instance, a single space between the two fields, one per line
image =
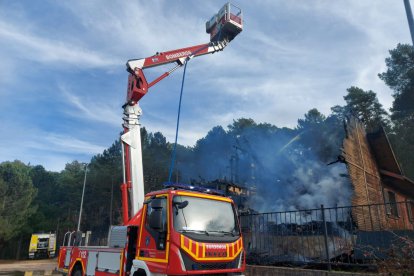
x=181 y=230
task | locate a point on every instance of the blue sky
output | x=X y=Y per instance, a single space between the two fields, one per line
x=63 y=78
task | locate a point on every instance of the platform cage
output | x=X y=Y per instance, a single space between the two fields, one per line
x=234 y=14
x=226 y=24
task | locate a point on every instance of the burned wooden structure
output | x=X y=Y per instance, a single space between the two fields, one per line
x=378 y=223
x=377 y=180
x=238 y=193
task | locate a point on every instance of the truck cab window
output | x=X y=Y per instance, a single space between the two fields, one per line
x=156 y=220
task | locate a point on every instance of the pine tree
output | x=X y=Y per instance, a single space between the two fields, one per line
x=16 y=195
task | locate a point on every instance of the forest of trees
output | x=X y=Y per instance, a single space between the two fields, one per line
x=260 y=155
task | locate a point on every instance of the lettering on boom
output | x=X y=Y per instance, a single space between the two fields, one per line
x=178 y=55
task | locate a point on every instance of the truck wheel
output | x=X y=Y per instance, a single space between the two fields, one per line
x=77 y=271
x=140 y=272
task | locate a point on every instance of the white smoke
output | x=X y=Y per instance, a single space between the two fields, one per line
x=284 y=170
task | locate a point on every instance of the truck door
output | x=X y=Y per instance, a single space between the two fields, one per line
x=33 y=246
x=52 y=246
x=153 y=243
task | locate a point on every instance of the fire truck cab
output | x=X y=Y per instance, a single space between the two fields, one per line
x=186 y=232
x=181 y=230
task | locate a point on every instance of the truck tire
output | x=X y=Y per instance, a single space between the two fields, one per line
x=77 y=271
x=140 y=272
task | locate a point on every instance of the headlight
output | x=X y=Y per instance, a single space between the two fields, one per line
x=240 y=259
x=181 y=260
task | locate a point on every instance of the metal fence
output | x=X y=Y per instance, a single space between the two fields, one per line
x=353 y=235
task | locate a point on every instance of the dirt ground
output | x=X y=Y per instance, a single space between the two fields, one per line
x=28 y=267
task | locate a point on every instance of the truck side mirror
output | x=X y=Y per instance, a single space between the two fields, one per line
x=179 y=205
x=156 y=221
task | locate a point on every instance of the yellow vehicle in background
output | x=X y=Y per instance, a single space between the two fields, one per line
x=42 y=245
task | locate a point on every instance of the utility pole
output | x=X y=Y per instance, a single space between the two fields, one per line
x=83 y=193
x=409 y=18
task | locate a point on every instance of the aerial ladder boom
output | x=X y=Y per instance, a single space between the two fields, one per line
x=138 y=85
x=222 y=27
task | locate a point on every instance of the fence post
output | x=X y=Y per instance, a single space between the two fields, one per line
x=325 y=234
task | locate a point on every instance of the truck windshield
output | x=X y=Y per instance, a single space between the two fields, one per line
x=204 y=216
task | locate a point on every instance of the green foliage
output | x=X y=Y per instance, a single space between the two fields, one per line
x=44 y=219
x=365 y=106
x=312 y=119
x=102 y=202
x=399 y=76
x=156 y=160
x=16 y=196
x=321 y=136
x=400 y=69
x=241 y=124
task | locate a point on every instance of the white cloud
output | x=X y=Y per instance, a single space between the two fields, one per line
x=47 y=148
x=29 y=139
x=138 y=27
x=65 y=143
x=32 y=47
x=91 y=109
